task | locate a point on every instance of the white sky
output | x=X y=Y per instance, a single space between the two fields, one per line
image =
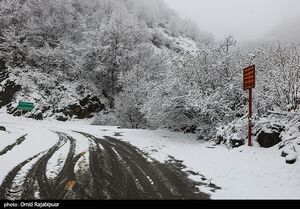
x=245 y=19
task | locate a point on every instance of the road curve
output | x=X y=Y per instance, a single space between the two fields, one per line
x=114 y=170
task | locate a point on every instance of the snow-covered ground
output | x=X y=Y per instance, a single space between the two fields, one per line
x=242 y=173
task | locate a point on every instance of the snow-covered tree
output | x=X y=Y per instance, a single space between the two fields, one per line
x=278 y=68
x=138 y=83
x=13 y=17
x=132 y=53
x=199 y=91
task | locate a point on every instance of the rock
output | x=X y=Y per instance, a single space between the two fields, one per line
x=36 y=116
x=284 y=153
x=268 y=140
x=61 y=118
x=281 y=145
x=83 y=109
x=287 y=151
x=39 y=116
x=236 y=143
x=290 y=161
x=86 y=108
x=2 y=128
x=220 y=139
x=291 y=158
x=9 y=88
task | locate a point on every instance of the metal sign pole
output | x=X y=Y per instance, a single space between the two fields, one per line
x=250 y=118
x=249 y=84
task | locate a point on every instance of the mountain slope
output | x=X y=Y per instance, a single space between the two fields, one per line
x=66 y=52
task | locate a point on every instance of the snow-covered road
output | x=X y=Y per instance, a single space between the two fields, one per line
x=51 y=161
x=241 y=173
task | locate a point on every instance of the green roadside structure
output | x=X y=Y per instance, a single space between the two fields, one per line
x=25 y=105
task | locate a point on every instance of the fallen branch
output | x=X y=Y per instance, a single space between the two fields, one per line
x=277 y=113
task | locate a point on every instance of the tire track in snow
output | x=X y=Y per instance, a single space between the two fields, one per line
x=11 y=146
x=121 y=171
x=37 y=174
x=116 y=170
x=8 y=180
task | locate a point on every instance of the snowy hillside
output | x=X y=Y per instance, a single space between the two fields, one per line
x=135 y=64
x=52 y=95
x=58 y=67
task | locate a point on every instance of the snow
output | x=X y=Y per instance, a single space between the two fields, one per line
x=186 y=44
x=82 y=143
x=291 y=156
x=56 y=162
x=44 y=90
x=36 y=141
x=83 y=163
x=20 y=178
x=242 y=173
x=9 y=138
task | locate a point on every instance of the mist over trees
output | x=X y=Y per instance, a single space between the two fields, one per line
x=128 y=50
x=286 y=31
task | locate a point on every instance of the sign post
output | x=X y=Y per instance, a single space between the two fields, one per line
x=249 y=84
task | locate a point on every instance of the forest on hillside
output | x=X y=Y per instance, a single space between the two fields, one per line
x=150 y=68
